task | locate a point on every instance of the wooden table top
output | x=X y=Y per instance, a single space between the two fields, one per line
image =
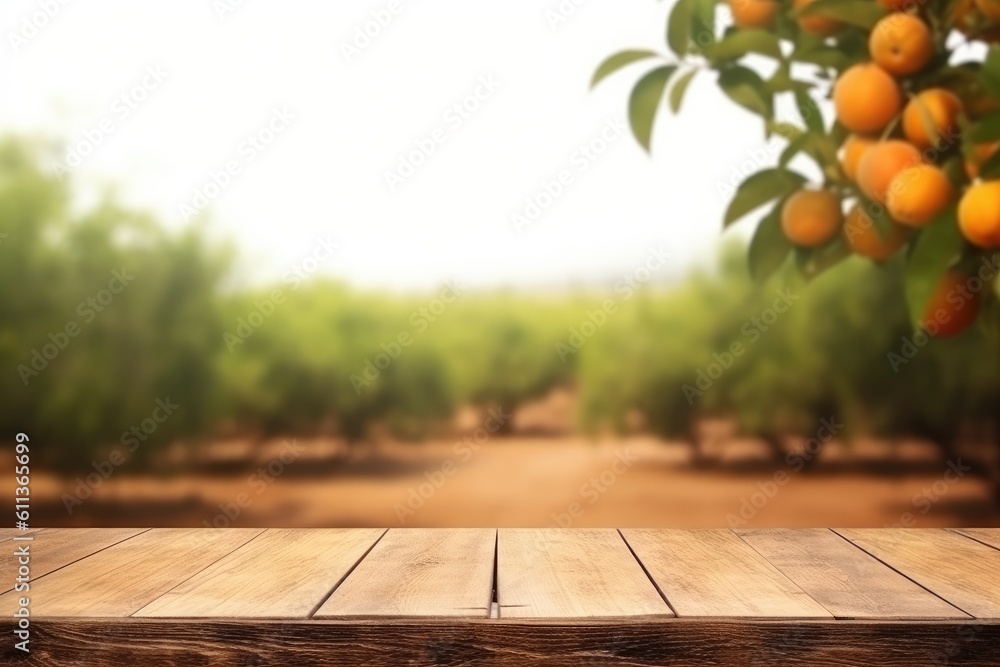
x=509 y=596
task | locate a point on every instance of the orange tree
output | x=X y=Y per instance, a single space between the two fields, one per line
x=907 y=168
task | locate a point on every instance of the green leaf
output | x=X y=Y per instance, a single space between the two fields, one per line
x=989 y=75
x=614 y=63
x=934 y=251
x=742 y=42
x=769 y=247
x=746 y=88
x=679 y=88
x=814 y=144
x=824 y=56
x=989 y=317
x=645 y=100
x=814 y=261
x=786 y=130
x=878 y=214
x=810 y=112
x=679 y=27
x=862 y=13
x=759 y=189
x=986 y=130
x=826 y=151
x=781 y=81
x=703 y=22
x=794 y=147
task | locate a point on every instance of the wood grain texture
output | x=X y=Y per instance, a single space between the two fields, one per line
x=10 y=533
x=566 y=573
x=280 y=574
x=990 y=536
x=674 y=642
x=964 y=572
x=713 y=573
x=420 y=572
x=847 y=581
x=57 y=547
x=123 y=578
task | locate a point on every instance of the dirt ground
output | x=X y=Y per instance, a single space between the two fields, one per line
x=523 y=481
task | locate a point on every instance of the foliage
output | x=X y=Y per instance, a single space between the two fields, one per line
x=780 y=61
x=168 y=335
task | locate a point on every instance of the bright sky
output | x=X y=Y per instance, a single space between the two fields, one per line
x=337 y=123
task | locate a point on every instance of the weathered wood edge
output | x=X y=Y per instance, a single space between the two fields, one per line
x=676 y=642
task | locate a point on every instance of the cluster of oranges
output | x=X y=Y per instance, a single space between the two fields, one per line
x=891 y=160
x=913 y=161
x=898 y=173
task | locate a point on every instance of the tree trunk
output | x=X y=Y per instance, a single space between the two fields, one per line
x=774 y=444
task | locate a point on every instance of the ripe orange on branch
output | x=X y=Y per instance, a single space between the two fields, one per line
x=811 y=218
x=866 y=99
x=919 y=194
x=864 y=238
x=979 y=214
x=952 y=307
x=855 y=148
x=931 y=118
x=912 y=104
x=882 y=163
x=901 y=44
x=754 y=13
x=817 y=25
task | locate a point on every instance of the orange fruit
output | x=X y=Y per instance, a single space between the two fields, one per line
x=952 y=307
x=866 y=98
x=754 y=13
x=818 y=25
x=883 y=162
x=979 y=214
x=980 y=154
x=901 y=44
x=917 y=195
x=990 y=9
x=810 y=218
x=854 y=149
x=937 y=108
x=865 y=239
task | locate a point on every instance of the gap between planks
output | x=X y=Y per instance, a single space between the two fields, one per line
x=316 y=608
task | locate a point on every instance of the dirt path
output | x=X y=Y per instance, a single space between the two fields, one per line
x=522 y=482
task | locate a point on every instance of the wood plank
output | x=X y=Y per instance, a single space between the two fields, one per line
x=990 y=536
x=499 y=643
x=280 y=574
x=713 y=573
x=960 y=570
x=847 y=581
x=567 y=573
x=58 y=547
x=420 y=572
x=10 y=533
x=127 y=576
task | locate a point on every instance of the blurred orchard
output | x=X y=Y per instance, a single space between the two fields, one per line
x=105 y=315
